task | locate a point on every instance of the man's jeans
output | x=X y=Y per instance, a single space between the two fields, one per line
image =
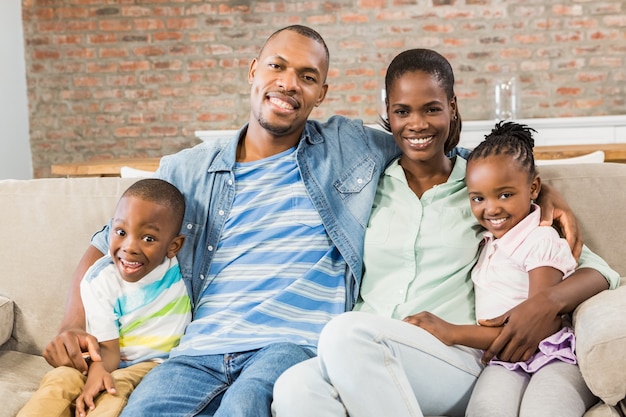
x=231 y=385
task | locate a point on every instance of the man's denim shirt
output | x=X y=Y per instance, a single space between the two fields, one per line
x=340 y=162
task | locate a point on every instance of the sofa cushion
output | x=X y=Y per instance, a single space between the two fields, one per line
x=603 y=410
x=6 y=319
x=601 y=342
x=595 y=192
x=19 y=379
x=54 y=219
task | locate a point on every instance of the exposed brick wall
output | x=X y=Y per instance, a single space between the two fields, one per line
x=121 y=78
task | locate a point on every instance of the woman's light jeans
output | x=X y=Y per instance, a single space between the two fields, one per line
x=369 y=365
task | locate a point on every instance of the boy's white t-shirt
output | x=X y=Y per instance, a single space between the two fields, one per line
x=148 y=316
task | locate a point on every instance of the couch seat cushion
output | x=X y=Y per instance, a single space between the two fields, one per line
x=19 y=378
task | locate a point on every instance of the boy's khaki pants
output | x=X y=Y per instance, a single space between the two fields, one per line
x=61 y=386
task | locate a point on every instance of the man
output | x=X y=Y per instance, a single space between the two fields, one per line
x=274 y=234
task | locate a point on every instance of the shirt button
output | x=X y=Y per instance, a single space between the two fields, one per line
x=359 y=181
x=210 y=248
x=189 y=226
x=230 y=182
x=202 y=277
x=221 y=212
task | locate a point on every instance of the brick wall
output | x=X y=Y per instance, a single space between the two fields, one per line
x=127 y=78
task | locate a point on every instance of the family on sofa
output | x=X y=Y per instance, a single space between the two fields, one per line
x=312 y=219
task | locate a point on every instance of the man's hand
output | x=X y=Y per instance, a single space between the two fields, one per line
x=436 y=326
x=67 y=349
x=554 y=208
x=523 y=327
x=98 y=380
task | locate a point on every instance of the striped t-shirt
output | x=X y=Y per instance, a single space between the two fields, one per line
x=276 y=275
x=148 y=316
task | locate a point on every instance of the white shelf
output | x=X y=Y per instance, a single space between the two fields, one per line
x=557 y=131
x=550 y=131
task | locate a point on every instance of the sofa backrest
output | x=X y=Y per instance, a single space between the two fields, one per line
x=596 y=194
x=46 y=227
x=47 y=224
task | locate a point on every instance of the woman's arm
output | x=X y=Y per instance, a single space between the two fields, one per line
x=480 y=337
x=67 y=347
x=539 y=316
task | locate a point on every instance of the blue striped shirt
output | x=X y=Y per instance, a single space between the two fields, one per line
x=276 y=275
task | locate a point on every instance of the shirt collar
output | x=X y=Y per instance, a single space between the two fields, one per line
x=395 y=171
x=518 y=234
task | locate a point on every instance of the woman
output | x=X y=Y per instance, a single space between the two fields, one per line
x=420 y=245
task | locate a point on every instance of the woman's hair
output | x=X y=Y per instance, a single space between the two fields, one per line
x=435 y=65
x=510 y=138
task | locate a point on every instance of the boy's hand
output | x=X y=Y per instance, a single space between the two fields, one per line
x=67 y=348
x=98 y=380
x=439 y=328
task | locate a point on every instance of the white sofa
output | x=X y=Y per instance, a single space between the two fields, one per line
x=47 y=224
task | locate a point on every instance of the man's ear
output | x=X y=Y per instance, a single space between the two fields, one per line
x=175 y=245
x=535 y=187
x=322 y=95
x=252 y=70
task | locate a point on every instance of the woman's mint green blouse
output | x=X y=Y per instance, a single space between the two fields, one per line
x=419 y=252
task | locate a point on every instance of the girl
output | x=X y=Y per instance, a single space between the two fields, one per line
x=518 y=260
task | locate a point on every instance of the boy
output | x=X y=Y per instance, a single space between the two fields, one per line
x=136 y=304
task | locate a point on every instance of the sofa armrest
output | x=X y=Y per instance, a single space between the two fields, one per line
x=6 y=319
x=600 y=328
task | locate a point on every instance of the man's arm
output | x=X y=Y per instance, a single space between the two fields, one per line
x=66 y=349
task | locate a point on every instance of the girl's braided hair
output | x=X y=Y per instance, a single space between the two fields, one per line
x=509 y=138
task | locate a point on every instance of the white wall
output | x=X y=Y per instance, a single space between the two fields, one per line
x=15 y=156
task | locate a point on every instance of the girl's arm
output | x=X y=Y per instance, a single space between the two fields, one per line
x=455 y=334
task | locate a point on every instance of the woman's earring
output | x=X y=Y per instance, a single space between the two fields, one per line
x=456 y=117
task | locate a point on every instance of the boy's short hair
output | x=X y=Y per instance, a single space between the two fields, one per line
x=160 y=192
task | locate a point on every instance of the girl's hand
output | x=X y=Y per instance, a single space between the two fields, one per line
x=439 y=328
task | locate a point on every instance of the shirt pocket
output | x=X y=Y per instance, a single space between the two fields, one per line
x=192 y=232
x=356 y=177
x=459 y=228
x=356 y=188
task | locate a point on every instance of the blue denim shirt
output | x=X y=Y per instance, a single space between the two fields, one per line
x=340 y=163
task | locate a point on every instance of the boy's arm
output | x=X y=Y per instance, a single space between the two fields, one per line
x=99 y=377
x=68 y=345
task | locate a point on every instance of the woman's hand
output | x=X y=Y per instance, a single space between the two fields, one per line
x=522 y=328
x=554 y=208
